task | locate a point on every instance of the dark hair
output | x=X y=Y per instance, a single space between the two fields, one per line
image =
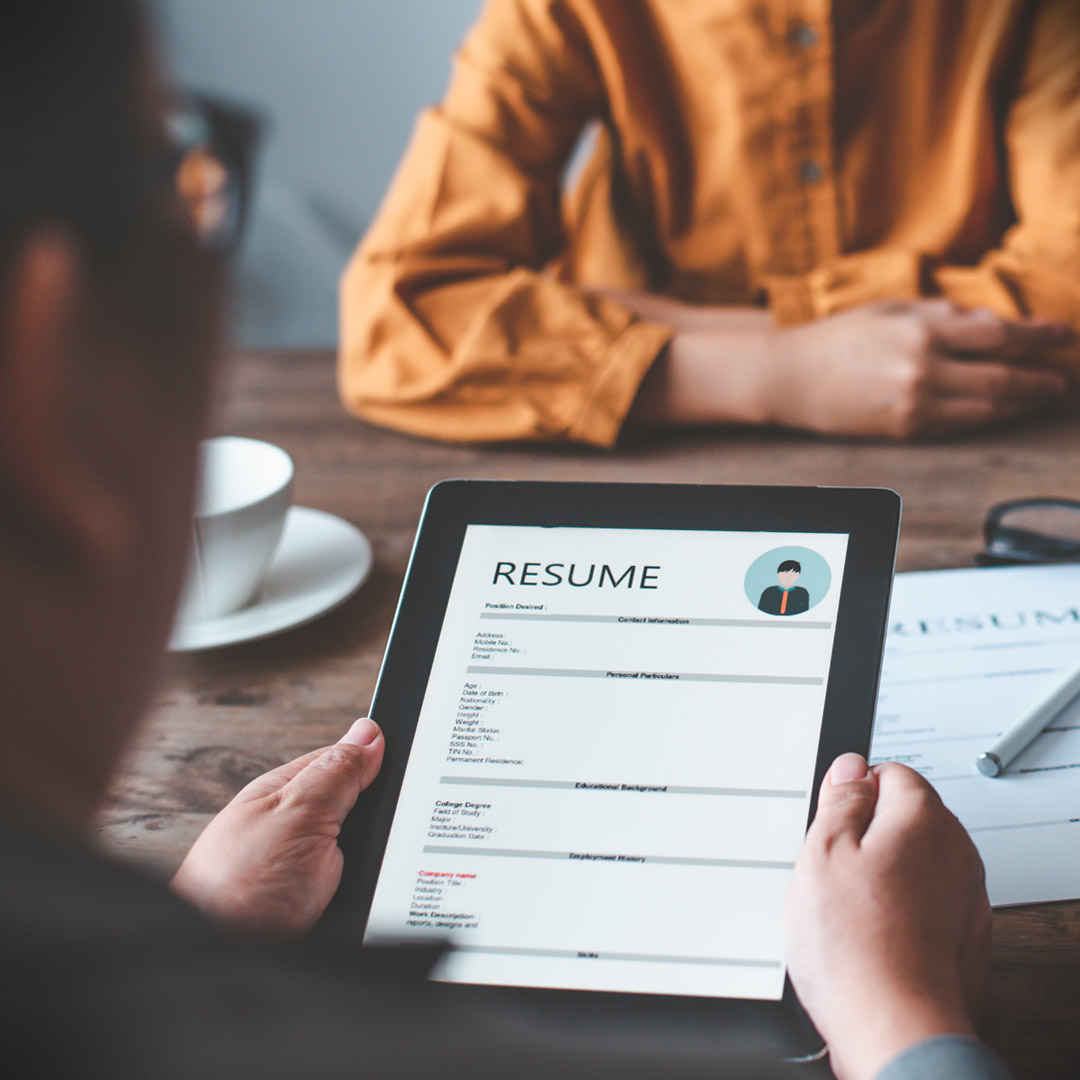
x=74 y=123
x=85 y=153
x=789 y=564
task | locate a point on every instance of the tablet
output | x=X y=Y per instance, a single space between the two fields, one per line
x=607 y=709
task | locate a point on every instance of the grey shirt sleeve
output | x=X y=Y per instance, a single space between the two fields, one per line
x=946 y=1057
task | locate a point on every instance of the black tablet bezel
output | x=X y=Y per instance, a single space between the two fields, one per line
x=870 y=517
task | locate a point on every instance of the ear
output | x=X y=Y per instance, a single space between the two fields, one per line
x=58 y=497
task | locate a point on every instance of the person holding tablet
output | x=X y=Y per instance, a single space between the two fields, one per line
x=108 y=318
x=779 y=223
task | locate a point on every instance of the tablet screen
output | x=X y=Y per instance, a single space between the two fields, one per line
x=611 y=773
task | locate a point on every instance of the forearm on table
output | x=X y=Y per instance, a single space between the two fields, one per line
x=713 y=370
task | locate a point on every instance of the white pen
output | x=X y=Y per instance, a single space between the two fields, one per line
x=1011 y=742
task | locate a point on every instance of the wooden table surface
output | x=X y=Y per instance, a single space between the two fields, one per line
x=223 y=717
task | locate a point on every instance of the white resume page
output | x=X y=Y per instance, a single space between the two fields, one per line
x=611 y=774
x=969 y=653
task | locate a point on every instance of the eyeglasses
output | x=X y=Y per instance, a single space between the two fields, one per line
x=211 y=146
x=1031 y=531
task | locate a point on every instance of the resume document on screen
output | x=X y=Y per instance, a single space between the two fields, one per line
x=610 y=778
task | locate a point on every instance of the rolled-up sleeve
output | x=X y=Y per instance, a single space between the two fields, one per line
x=451 y=326
x=946 y=1057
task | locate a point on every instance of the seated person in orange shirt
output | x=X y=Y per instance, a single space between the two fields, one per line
x=860 y=222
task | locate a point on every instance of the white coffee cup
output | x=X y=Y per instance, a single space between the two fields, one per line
x=245 y=491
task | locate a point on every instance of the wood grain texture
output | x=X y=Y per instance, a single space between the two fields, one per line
x=223 y=717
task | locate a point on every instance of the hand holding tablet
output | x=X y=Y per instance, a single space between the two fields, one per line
x=887 y=918
x=606 y=734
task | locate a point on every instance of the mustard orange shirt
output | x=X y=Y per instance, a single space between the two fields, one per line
x=806 y=155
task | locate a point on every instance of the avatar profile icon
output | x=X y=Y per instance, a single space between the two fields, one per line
x=787 y=581
x=785 y=598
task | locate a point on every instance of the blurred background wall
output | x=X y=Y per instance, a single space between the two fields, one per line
x=340 y=83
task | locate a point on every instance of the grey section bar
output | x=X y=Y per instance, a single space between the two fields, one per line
x=775 y=624
x=1024 y=825
x=669 y=789
x=648 y=958
x=750 y=793
x=666 y=860
x=664 y=676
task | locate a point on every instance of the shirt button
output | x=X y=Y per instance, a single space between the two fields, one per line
x=803 y=36
x=811 y=172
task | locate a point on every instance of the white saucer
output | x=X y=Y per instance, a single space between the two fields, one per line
x=320 y=562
